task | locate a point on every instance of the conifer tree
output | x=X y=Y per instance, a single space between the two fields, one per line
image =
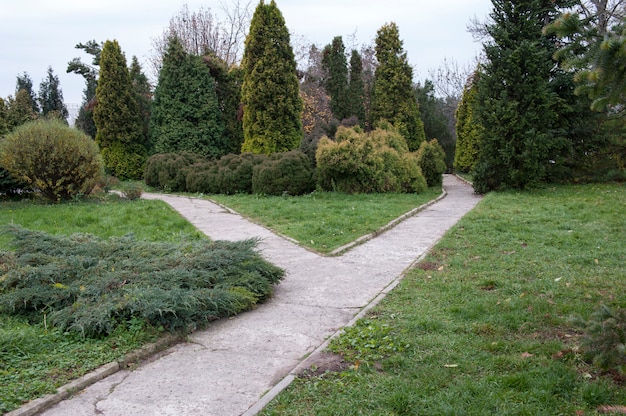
x=468 y=129
x=335 y=65
x=270 y=90
x=393 y=99
x=24 y=82
x=84 y=120
x=356 y=89
x=143 y=94
x=51 y=97
x=20 y=109
x=185 y=113
x=517 y=104
x=117 y=116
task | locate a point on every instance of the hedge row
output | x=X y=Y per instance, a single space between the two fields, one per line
x=289 y=172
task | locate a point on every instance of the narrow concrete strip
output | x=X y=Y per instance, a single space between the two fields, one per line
x=235 y=365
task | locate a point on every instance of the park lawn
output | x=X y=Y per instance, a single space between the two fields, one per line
x=35 y=359
x=325 y=221
x=491 y=321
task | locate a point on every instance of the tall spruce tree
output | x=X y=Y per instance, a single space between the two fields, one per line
x=432 y=113
x=356 y=89
x=20 y=109
x=270 y=90
x=335 y=65
x=51 y=97
x=185 y=113
x=24 y=82
x=517 y=104
x=117 y=116
x=393 y=98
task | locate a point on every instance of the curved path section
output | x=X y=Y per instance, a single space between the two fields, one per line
x=228 y=368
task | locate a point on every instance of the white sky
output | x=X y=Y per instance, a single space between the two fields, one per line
x=37 y=34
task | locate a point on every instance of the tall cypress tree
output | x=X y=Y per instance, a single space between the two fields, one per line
x=335 y=65
x=270 y=90
x=356 y=89
x=117 y=116
x=51 y=97
x=185 y=113
x=393 y=99
x=517 y=104
x=468 y=129
x=84 y=121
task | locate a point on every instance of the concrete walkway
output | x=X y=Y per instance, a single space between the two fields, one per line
x=236 y=365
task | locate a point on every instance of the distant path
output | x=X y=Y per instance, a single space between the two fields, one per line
x=227 y=368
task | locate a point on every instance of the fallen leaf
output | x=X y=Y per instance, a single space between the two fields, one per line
x=440 y=268
x=451 y=365
x=527 y=355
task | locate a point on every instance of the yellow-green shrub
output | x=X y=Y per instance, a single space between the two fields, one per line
x=52 y=158
x=368 y=163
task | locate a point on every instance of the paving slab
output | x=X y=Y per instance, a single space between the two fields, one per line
x=229 y=368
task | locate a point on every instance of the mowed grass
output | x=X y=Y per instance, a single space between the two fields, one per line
x=35 y=359
x=325 y=221
x=109 y=217
x=488 y=324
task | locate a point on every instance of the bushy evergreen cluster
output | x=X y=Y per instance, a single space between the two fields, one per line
x=230 y=175
x=358 y=162
x=431 y=159
x=85 y=284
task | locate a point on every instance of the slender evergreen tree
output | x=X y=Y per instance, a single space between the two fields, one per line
x=185 y=113
x=517 y=105
x=24 y=82
x=143 y=94
x=20 y=109
x=117 y=116
x=270 y=90
x=468 y=129
x=393 y=98
x=356 y=89
x=335 y=65
x=51 y=97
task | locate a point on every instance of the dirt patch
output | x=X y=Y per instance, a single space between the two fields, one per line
x=426 y=265
x=324 y=362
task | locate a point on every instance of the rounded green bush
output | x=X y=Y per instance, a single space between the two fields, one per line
x=230 y=175
x=59 y=161
x=368 y=163
x=432 y=160
x=169 y=171
x=285 y=172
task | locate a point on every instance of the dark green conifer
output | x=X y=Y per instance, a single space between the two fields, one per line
x=185 y=113
x=356 y=89
x=51 y=97
x=24 y=82
x=270 y=91
x=335 y=65
x=517 y=105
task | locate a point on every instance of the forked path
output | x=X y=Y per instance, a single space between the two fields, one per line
x=228 y=368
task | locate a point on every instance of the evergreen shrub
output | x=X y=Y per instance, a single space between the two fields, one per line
x=604 y=342
x=88 y=285
x=368 y=163
x=231 y=174
x=168 y=171
x=59 y=161
x=9 y=187
x=287 y=172
x=432 y=160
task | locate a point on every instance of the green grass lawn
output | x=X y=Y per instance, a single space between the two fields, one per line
x=35 y=360
x=325 y=221
x=489 y=322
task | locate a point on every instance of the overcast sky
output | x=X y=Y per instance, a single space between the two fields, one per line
x=37 y=34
